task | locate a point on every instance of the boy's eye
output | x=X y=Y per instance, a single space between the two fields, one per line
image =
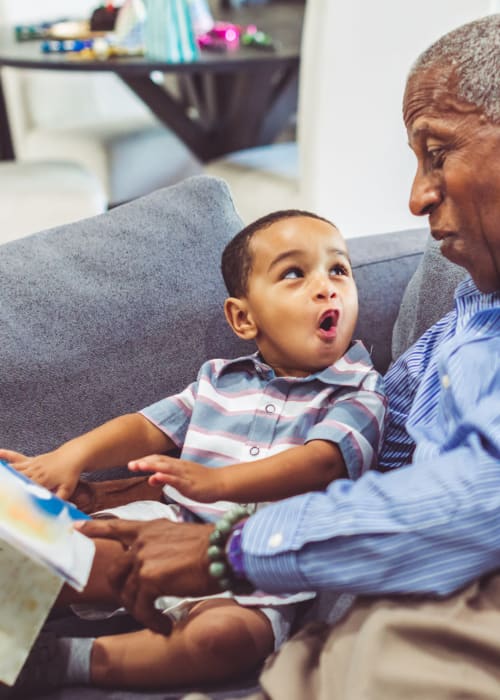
x=339 y=269
x=292 y=273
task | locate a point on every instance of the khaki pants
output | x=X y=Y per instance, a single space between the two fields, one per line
x=400 y=648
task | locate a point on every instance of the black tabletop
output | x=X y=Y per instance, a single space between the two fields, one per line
x=281 y=19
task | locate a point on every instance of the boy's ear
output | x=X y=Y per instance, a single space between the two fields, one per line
x=240 y=318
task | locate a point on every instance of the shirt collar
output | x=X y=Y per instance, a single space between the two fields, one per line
x=468 y=291
x=349 y=370
x=470 y=301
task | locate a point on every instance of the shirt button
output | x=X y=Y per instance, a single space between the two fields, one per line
x=270 y=408
x=445 y=381
x=275 y=540
x=254 y=451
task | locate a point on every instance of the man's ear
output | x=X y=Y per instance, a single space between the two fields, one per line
x=240 y=318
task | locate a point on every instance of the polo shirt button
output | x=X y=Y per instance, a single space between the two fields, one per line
x=270 y=408
x=275 y=540
x=254 y=451
x=445 y=381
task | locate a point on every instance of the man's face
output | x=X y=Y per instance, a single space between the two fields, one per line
x=457 y=183
x=301 y=295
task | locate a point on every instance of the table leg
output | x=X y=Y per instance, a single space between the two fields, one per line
x=169 y=111
x=258 y=106
x=6 y=146
x=218 y=113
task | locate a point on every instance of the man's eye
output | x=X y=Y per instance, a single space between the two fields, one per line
x=436 y=157
x=339 y=269
x=292 y=273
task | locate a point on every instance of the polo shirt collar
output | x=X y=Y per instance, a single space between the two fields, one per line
x=349 y=370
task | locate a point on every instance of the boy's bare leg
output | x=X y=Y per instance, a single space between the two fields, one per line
x=219 y=640
x=97 y=589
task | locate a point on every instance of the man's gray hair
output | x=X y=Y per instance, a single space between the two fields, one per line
x=473 y=53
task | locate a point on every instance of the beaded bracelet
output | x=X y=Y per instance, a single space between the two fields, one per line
x=219 y=567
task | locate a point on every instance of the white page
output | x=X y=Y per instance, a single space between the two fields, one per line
x=27 y=592
x=42 y=526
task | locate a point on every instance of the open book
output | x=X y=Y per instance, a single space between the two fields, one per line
x=41 y=525
x=39 y=551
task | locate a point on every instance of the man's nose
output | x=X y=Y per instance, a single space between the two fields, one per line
x=425 y=193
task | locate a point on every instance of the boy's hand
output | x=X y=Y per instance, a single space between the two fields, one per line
x=50 y=470
x=193 y=480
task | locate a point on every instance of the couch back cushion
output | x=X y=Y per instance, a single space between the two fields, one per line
x=382 y=266
x=427 y=298
x=106 y=315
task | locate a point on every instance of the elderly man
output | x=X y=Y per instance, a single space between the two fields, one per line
x=419 y=545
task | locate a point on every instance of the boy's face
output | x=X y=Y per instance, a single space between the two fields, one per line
x=301 y=295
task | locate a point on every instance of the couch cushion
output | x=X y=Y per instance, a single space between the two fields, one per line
x=383 y=265
x=428 y=297
x=105 y=315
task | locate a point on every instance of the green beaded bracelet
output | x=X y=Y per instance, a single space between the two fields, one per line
x=218 y=567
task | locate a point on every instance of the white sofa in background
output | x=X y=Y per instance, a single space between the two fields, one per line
x=36 y=196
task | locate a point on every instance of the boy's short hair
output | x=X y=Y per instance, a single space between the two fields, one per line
x=236 y=262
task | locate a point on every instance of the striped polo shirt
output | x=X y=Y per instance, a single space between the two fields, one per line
x=238 y=410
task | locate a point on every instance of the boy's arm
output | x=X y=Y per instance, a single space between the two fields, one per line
x=112 y=444
x=308 y=467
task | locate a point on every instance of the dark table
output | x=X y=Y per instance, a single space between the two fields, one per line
x=219 y=103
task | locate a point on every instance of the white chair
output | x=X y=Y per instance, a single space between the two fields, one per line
x=351 y=162
x=89 y=118
x=40 y=195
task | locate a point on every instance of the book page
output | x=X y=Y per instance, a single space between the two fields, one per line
x=27 y=592
x=41 y=525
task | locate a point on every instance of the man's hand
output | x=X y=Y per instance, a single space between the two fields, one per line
x=193 y=480
x=50 y=470
x=159 y=558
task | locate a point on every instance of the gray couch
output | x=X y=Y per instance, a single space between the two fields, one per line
x=109 y=314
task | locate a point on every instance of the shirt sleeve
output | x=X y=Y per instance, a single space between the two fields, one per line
x=355 y=422
x=172 y=414
x=430 y=527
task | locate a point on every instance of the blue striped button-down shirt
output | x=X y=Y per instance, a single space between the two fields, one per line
x=429 y=527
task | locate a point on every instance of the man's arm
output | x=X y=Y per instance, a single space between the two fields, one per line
x=427 y=528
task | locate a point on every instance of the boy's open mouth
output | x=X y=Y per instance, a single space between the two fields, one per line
x=328 y=321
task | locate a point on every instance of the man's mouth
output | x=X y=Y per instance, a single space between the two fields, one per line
x=440 y=235
x=328 y=323
x=447 y=242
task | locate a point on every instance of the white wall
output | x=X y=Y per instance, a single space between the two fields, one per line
x=356 y=164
